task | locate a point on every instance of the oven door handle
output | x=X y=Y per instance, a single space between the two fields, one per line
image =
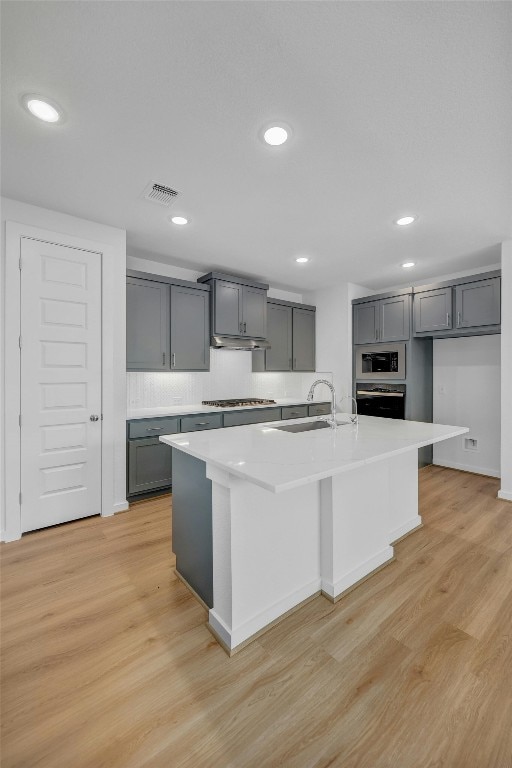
x=362 y=393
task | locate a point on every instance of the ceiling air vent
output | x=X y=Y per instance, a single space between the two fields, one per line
x=159 y=193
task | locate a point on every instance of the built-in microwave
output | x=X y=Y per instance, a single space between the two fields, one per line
x=380 y=361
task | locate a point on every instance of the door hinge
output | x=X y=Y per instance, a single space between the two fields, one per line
x=19 y=419
x=20 y=498
x=19 y=263
x=19 y=341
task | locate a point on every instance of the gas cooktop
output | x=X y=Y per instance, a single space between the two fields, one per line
x=238 y=402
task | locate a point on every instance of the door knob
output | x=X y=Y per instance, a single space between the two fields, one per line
x=93 y=417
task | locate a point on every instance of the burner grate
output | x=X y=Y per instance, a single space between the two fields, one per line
x=233 y=403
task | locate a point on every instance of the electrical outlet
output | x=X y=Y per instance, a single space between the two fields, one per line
x=177 y=400
x=470 y=444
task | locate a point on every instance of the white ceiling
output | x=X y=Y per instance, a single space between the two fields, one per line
x=395 y=107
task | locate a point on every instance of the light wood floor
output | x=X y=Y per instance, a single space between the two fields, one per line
x=107 y=662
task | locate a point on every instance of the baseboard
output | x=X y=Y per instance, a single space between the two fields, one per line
x=401 y=531
x=467 y=468
x=121 y=506
x=8 y=536
x=357 y=575
x=236 y=638
x=505 y=495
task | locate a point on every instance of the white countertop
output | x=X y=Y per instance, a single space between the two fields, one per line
x=279 y=461
x=179 y=410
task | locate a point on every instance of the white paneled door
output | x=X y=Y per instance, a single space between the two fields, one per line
x=60 y=383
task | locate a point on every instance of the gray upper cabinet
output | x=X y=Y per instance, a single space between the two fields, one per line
x=303 y=340
x=291 y=333
x=279 y=334
x=433 y=310
x=238 y=308
x=478 y=303
x=190 y=343
x=167 y=324
x=366 y=322
x=386 y=319
x=227 y=308
x=394 y=318
x=254 y=311
x=147 y=325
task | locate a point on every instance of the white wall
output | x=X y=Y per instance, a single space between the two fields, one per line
x=506 y=371
x=334 y=332
x=467 y=383
x=13 y=210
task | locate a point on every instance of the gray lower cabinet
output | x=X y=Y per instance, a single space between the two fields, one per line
x=294 y=412
x=319 y=409
x=478 y=303
x=303 y=340
x=366 y=322
x=238 y=418
x=199 y=421
x=190 y=339
x=149 y=465
x=147 y=325
x=433 y=310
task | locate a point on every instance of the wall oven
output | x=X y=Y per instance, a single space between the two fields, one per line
x=386 y=400
x=380 y=361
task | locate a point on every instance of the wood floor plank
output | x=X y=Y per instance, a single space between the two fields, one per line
x=107 y=662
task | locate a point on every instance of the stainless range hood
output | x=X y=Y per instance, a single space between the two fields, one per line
x=230 y=342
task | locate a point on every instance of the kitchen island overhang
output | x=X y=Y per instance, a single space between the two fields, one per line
x=265 y=520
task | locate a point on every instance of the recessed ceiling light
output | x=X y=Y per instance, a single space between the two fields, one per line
x=405 y=220
x=43 y=108
x=180 y=220
x=408 y=264
x=275 y=135
x=302 y=260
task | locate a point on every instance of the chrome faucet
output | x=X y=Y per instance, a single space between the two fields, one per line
x=332 y=419
x=354 y=418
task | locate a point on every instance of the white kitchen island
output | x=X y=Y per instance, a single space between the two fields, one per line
x=291 y=515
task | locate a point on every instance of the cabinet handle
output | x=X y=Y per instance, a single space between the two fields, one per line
x=241 y=327
x=173 y=359
x=163 y=358
x=201 y=423
x=458 y=319
x=154 y=429
x=376 y=335
x=447 y=319
x=245 y=327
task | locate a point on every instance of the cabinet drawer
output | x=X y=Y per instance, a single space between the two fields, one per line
x=201 y=421
x=153 y=427
x=237 y=419
x=319 y=409
x=295 y=412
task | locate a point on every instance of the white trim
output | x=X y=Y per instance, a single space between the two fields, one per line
x=505 y=495
x=407 y=527
x=356 y=574
x=467 y=468
x=14 y=231
x=237 y=635
x=121 y=506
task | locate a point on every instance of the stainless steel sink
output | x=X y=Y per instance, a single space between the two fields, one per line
x=305 y=427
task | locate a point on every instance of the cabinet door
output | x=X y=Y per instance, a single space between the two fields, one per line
x=433 y=310
x=366 y=322
x=149 y=465
x=279 y=334
x=254 y=312
x=478 y=303
x=227 y=308
x=257 y=416
x=190 y=342
x=303 y=340
x=394 y=318
x=147 y=325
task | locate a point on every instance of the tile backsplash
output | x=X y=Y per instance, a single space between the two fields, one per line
x=230 y=375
